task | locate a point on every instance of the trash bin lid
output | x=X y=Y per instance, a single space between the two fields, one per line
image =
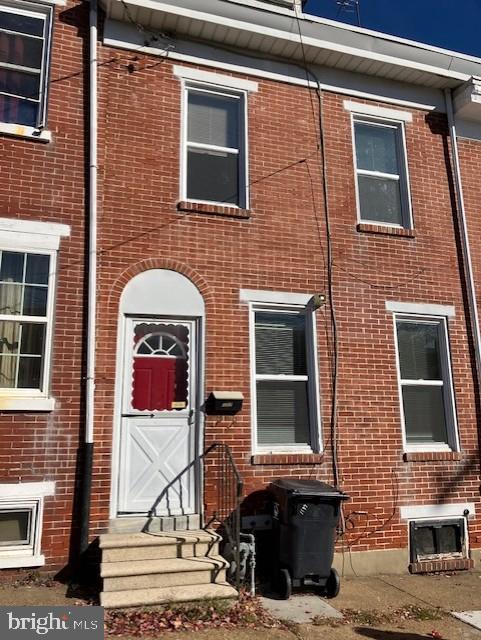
x=307 y=488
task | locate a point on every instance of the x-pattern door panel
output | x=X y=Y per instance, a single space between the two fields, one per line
x=157 y=456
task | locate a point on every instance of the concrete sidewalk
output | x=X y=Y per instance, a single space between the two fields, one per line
x=382 y=608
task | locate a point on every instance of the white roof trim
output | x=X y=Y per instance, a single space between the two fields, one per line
x=27 y=489
x=420 y=308
x=198 y=75
x=274 y=297
x=431 y=511
x=378 y=112
x=307 y=41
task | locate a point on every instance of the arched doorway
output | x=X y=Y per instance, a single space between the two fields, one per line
x=159 y=384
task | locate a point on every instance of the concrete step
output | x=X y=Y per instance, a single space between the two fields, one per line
x=118 y=547
x=158 y=580
x=164 y=565
x=145 y=597
x=155 y=523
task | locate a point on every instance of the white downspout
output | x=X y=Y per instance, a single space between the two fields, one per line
x=463 y=229
x=92 y=285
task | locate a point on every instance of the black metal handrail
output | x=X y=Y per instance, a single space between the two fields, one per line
x=224 y=486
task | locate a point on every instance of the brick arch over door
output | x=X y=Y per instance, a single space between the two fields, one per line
x=129 y=274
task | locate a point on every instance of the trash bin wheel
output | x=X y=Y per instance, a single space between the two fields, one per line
x=284 y=584
x=333 y=584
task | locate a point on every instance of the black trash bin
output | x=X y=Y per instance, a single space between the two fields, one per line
x=306 y=515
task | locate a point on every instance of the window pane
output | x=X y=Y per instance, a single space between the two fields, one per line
x=380 y=200
x=29 y=372
x=18 y=111
x=11 y=269
x=212 y=176
x=282 y=413
x=9 y=337
x=21 y=50
x=32 y=339
x=376 y=148
x=37 y=269
x=213 y=120
x=424 y=414
x=11 y=299
x=424 y=541
x=22 y=24
x=35 y=301
x=449 y=539
x=14 y=527
x=20 y=83
x=419 y=351
x=280 y=344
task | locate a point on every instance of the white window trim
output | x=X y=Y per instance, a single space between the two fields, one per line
x=435 y=511
x=274 y=297
x=33 y=237
x=44 y=8
x=21 y=496
x=243 y=150
x=403 y=176
x=382 y=113
x=421 y=308
x=448 y=388
x=215 y=79
x=313 y=376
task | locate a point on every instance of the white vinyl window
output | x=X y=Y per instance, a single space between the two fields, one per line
x=25 y=317
x=25 y=35
x=285 y=398
x=426 y=389
x=214 y=148
x=381 y=172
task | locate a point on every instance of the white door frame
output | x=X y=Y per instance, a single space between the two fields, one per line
x=164 y=307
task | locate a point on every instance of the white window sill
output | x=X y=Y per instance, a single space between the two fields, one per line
x=17 y=403
x=284 y=451
x=18 y=562
x=22 y=131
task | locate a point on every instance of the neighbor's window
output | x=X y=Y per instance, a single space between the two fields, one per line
x=426 y=386
x=285 y=400
x=214 y=155
x=381 y=172
x=439 y=539
x=25 y=31
x=24 y=319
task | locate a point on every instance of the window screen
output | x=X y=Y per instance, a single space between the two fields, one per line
x=282 y=379
x=425 y=383
x=214 y=156
x=381 y=174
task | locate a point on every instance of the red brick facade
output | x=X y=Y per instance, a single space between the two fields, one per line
x=278 y=244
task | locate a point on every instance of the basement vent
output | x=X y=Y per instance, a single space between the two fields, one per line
x=438 y=539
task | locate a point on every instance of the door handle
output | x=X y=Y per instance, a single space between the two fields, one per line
x=190 y=419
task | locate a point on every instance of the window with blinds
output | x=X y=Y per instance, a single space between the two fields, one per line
x=425 y=380
x=214 y=158
x=25 y=29
x=282 y=379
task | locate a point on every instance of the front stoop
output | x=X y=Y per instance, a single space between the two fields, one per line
x=147 y=569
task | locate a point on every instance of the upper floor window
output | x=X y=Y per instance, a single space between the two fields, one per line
x=25 y=32
x=214 y=154
x=381 y=172
x=428 y=409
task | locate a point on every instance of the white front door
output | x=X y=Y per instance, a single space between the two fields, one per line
x=158 y=440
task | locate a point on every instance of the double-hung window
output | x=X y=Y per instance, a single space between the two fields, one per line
x=381 y=172
x=285 y=397
x=25 y=293
x=25 y=34
x=214 y=153
x=428 y=409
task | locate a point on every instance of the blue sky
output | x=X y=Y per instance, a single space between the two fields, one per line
x=452 y=24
